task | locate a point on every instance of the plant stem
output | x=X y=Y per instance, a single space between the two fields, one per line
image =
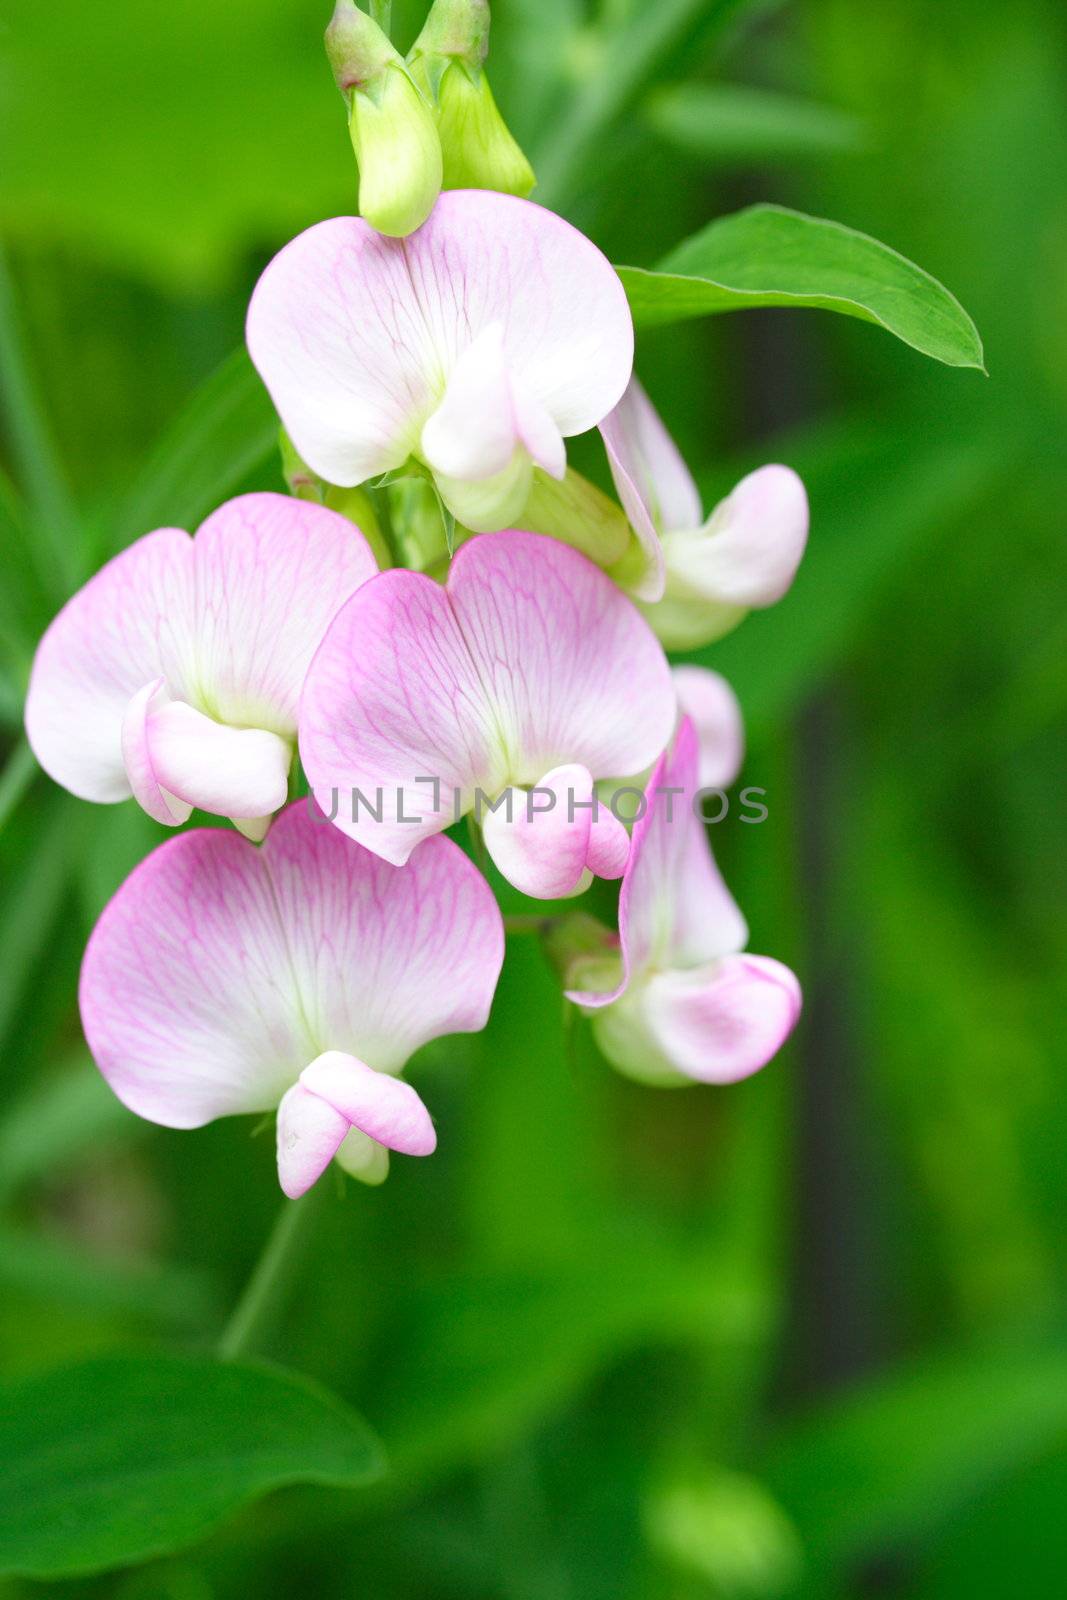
x=254 y=1312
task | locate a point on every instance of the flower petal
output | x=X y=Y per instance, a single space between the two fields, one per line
x=722 y=1026
x=310 y=1132
x=711 y=705
x=356 y=336
x=220 y=971
x=384 y=1107
x=539 y=837
x=529 y=658
x=652 y=481
x=137 y=758
x=748 y=552
x=225 y=623
x=271 y=572
x=234 y=772
x=126 y=628
x=674 y=909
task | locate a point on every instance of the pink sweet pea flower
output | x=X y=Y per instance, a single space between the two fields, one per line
x=175 y=674
x=224 y=979
x=699 y=576
x=711 y=705
x=515 y=686
x=682 y=1000
x=475 y=346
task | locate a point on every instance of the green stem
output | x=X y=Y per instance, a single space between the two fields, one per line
x=254 y=1312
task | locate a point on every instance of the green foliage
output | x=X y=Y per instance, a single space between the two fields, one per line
x=126 y=1457
x=768 y=256
x=602 y=1332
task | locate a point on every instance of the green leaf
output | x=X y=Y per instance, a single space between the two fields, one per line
x=901 y=1455
x=227 y=430
x=769 y=256
x=729 y=122
x=122 y=1458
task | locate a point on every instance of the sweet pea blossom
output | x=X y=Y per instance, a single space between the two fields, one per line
x=473 y=348
x=710 y=704
x=681 y=999
x=699 y=576
x=174 y=675
x=507 y=691
x=225 y=978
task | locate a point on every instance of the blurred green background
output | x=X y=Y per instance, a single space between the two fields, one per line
x=805 y=1336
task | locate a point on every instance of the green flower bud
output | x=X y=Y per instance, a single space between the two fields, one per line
x=299 y=478
x=584 y=953
x=447 y=61
x=391 y=124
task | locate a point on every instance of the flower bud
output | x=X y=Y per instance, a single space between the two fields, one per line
x=576 y=512
x=447 y=61
x=301 y=482
x=583 y=951
x=391 y=125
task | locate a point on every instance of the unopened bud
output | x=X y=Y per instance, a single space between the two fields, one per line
x=584 y=952
x=391 y=124
x=447 y=61
x=300 y=480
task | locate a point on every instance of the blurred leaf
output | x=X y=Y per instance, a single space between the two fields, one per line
x=19 y=772
x=33 y=903
x=476 y=1357
x=123 y=1458
x=876 y=491
x=769 y=256
x=610 y=78
x=64 y=1274
x=900 y=1456
x=186 y=135
x=730 y=122
x=71 y=1111
x=227 y=430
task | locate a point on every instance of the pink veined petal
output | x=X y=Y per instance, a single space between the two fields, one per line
x=650 y=580
x=711 y=705
x=654 y=463
x=609 y=845
x=539 y=838
x=309 y=1133
x=674 y=909
x=271 y=572
x=234 y=772
x=530 y=658
x=137 y=755
x=219 y=971
x=384 y=1107
x=749 y=550
x=356 y=335
x=722 y=1025
x=227 y=623
x=129 y=625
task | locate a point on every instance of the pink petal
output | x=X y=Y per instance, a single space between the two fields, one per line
x=309 y=1134
x=722 y=1026
x=143 y=779
x=225 y=623
x=674 y=909
x=385 y=1108
x=748 y=553
x=711 y=705
x=539 y=840
x=651 y=479
x=126 y=628
x=356 y=335
x=220 y=971
x=528 y=659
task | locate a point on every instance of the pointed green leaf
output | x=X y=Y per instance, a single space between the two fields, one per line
x=769 y=256
x=122 y=1458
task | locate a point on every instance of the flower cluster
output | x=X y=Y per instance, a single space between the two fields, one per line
x=442 y=620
